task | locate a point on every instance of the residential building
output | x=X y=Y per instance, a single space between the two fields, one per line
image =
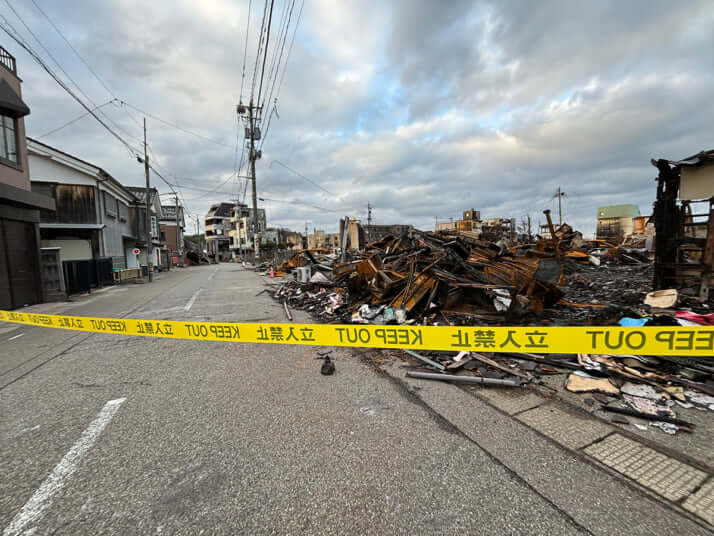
x=94 y=215
x=171 y=231
x=470 y=222
x=158 y=250
x=316 y=239
x=21 y=281
x=240 y=232
x=615 y=222
x=218 y=225
x=292 y=240
x=271 y=236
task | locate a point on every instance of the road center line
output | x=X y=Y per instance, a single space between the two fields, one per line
x=188 y=306
x=15 y=337
x=35 y=508
x=213 y=274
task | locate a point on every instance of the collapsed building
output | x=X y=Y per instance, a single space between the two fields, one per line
x=683 y=210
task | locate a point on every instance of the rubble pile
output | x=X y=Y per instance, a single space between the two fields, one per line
x=425 y=277
x=653 y=389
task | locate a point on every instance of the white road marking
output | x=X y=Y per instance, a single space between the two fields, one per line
x=188 y=306
x=213 y=274
x=35 y=508
x=15 y=337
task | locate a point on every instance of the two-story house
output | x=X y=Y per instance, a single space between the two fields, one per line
x=171 y=230
x=157 y=248
x=94 y=215
x=20 y=265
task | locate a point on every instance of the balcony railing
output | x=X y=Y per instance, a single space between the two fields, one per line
x=7 y=60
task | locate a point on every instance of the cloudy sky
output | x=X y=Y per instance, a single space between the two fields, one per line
x=421 y=108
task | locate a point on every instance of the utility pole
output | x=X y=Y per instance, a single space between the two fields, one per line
x=256 y=230
x=369 y=222
x=149 y=245
x=307 y=239
x=559 y=194
x=178 y=240
x=253 y=133
x=198 y=234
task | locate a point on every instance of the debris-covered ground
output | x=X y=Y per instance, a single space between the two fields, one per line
x=456 y=279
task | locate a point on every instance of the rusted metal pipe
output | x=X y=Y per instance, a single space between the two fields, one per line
x=464 y=379
x=426 y=360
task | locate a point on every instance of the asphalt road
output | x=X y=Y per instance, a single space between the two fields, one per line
x=221 y=438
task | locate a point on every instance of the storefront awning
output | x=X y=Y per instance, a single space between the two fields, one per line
x=10 y=102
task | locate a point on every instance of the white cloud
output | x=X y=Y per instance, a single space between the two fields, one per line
x=420 y=110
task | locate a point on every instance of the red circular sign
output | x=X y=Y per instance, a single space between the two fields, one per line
x=136 y=251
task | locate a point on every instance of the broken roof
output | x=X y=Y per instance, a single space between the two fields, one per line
x=220 y=210
x=701 y=157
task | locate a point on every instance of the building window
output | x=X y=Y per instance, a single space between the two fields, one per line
x=8 y=139
x=110 y=205
x=123 y=211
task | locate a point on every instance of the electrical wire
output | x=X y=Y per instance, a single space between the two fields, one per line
x=300 y=203
x=58 y=64
x=303 y=177
x=214 y=190
x=282 y=77
x=72 y=121
x=10 y=30
x=86 y=64
x=257 y=56
x=245 y=52
x=277 y=51
x=173 y=125
x=265 y=54
x=292 y=42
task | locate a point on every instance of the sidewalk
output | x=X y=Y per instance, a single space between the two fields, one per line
x=491 y=416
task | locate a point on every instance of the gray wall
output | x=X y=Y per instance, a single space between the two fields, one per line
x=114 y=232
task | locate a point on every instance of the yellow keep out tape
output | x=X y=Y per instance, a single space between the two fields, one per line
x=682 y=341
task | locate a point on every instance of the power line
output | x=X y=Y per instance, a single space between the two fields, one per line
x=285 y=65
x=10 y=30
x=275 y=66
x=277 y=51
x=260 y=45
x=299 y=203
x=72 y=121
x=215 y=189
x=173 y=125
x=245 y=52
x=302 y=176
x=22 y=21
x=282 y=77
x=99 y=79
x=265 y=53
